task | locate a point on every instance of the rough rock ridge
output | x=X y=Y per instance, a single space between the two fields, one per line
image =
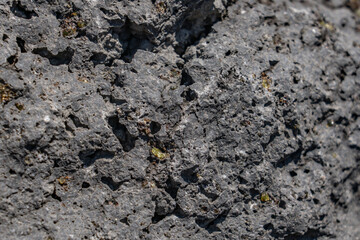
x=179 y=119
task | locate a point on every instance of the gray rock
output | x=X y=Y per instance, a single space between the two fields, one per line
x=179 y=119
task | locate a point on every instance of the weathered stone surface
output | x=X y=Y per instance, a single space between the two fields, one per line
x=243 y=98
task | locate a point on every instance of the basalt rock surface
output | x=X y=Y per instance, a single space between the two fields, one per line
x=179 y=119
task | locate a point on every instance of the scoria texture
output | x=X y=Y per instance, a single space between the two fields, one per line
x=179 y=119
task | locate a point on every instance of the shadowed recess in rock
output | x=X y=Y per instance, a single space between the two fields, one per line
x=126 y=139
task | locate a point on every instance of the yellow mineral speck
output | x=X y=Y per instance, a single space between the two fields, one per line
x=83 y=79
x=266 y=81
x=81 y=24
x=161 y=7
x=19 y=106
x=264 y=197
x=328 y=26
x=158 y=153
x=330 y=123
x=6 y=94
x=152 y=184
x=62 y=180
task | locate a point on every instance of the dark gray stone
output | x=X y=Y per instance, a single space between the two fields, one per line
x=243 y=98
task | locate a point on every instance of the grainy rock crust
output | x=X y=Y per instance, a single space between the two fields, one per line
x=179 y=119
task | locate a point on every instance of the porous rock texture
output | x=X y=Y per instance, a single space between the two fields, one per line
x=148 y=119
